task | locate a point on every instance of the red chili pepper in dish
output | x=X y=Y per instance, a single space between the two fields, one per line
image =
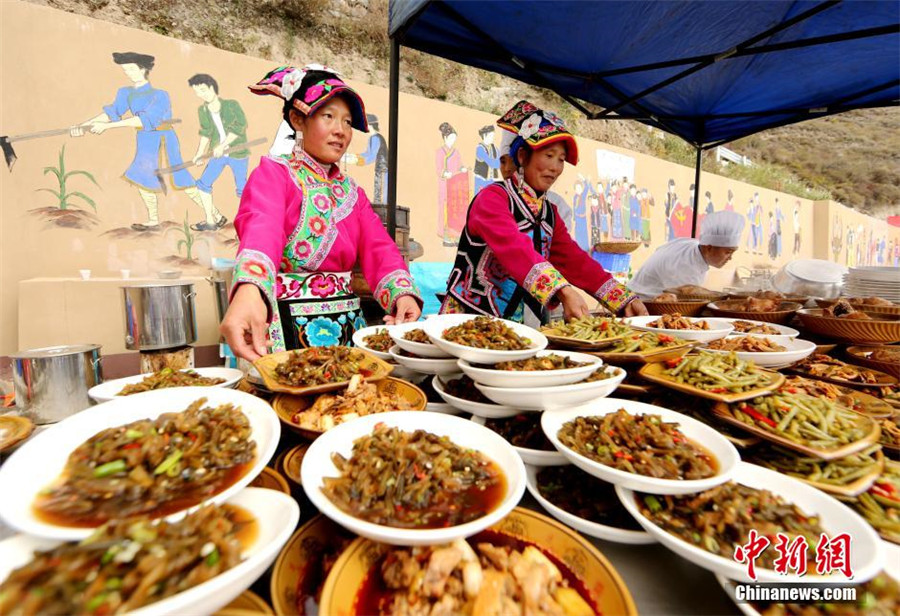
x=758 y=416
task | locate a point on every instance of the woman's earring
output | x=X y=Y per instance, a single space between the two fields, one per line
x=298 y=142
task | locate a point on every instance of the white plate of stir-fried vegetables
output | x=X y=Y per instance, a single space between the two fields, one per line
x=165 y=379
x=767 y=352
x=413 y=478
x=598 y=384
x=159 y=453
x=411 y=337
x=483 y=340
x=705 y=528
x=546 y=369
x=641 y=446
x=702 y=329
x=194 y=566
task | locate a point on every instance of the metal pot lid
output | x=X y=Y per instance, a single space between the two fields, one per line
x=816 y=270
x=56 y=351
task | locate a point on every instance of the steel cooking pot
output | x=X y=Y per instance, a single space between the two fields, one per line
x=52 y=383
x=159 y=316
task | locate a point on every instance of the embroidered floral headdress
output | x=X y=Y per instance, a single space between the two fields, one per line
x=285 y=81
x=538 y=128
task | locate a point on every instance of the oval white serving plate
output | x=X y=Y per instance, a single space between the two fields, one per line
x=724 y=452
x=317 y=464
x=277 y=515
x=39 y=462
x=436 y=326
x=867 y=554
x=109 y=390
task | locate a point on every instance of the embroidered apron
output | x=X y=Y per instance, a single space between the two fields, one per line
x=315 y=309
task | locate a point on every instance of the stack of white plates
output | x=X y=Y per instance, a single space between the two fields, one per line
x=883 y=282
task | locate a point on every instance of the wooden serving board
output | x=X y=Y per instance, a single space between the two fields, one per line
x=656 y=373
x=377 y=369
x=647 y=357
x=884 y=379
x=851 y=489
x=723 y=412
x=577 y=344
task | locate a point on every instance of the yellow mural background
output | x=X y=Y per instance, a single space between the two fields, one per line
x=57 y=70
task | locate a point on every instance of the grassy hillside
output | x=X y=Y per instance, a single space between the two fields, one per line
x=853 y=158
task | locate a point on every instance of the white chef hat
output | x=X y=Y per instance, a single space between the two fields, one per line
x=506 y=139
x=722 y=229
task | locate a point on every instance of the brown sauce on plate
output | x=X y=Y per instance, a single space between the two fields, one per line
x=97 y=517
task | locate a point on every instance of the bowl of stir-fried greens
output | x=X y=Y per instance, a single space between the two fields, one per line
x=482 y=339
x=705 y=527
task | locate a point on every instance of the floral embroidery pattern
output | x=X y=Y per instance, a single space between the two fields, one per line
x=256 y=268
x=393 y=286
x=322 y=331
x=316 y=284
x=543 y=281
x=324 y=199
x=317 y=226
x=614 y=296
x=300 y=300
x=322 y=286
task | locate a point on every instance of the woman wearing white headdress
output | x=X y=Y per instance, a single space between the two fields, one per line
x=686 y=261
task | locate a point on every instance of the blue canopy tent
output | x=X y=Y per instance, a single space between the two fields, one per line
x=708 y=72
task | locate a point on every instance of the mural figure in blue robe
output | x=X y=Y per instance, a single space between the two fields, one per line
x=487 y=159
x=376 y=153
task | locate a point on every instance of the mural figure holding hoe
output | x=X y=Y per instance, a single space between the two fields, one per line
x=150 y=112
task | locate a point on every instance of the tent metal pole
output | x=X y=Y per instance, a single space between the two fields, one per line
x=393 y=137
x=696 y=204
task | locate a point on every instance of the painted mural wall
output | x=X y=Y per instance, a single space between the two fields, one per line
x=131 y=150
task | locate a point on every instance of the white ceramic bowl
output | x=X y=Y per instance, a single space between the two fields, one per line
x=534 y=378
x=535 y=457
x=317 y=464
x=402 y=372
x=476 y=408
x=718 y=328
x=592 y=529
x=436 y=326
x=442 y=407
x=109 y=390
x=866 y=555
x=359 y=339
x=425 y=365
x=277 y=515
x=418 y=348
x=797 y=350
x=39 y=462
x=724 y=452
x=552 y=398
x=784 y=332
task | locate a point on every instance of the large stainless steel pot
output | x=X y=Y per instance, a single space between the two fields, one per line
x=815 y=278
x=53 y=382
x=159 y=316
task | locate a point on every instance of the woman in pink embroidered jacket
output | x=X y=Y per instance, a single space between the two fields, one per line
x=515 y=257
x=303 y=225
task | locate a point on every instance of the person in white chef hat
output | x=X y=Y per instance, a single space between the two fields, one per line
x=686 y=261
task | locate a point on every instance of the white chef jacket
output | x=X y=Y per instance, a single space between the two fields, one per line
x=674 y=264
